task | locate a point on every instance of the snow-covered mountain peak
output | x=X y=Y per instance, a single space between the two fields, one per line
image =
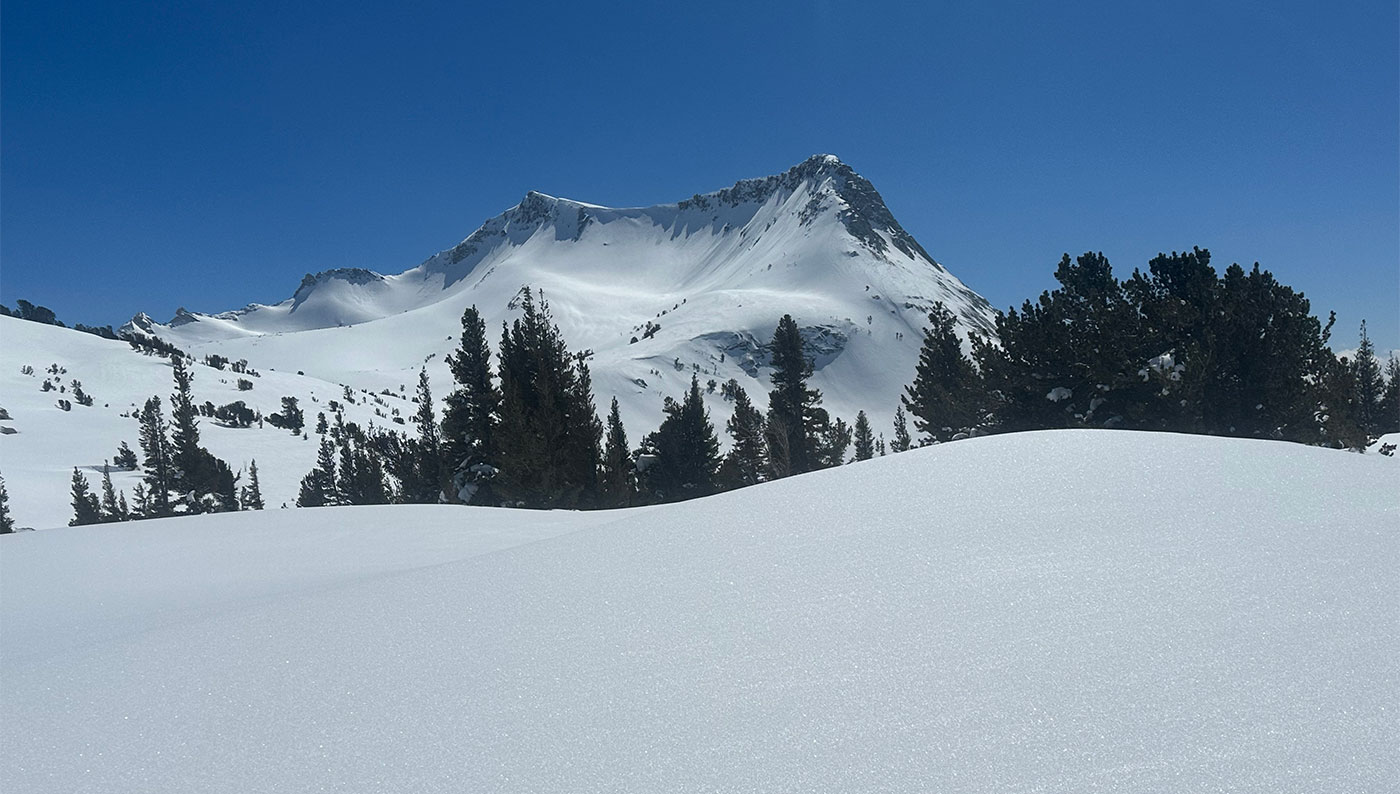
x=659 y=293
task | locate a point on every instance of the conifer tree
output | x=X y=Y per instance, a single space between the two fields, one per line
x=1369 y=385
x=902 y=441
x=317 y=487
x=310 y=492
x=880 y=446
x=864 y=439
x=795 y=416
x=1389 y=410
x=1276 y=363
x=1071 y=358
x=7 y=522
x=747 y=461
x=155 y=447
x=945 y=395
x=252 y=492
x=184 y=430
x=292 y=416
x=470 y=417
x=685 y=450
x=424 y=481
x=122 y=508
x=86 y=509
x=142 y=498
x=619 y=472
x=833 y=443
x=549 y=436
x=111 y=511
x=125 y=458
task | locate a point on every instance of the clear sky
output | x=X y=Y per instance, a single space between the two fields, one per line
x=208 y=154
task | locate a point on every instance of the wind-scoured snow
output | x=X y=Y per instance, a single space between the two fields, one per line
x=1059 y=611
x=715 y=272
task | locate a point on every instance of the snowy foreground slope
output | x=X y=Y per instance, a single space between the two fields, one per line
x=1059 y=611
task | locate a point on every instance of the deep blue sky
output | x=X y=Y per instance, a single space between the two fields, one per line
x=207 y=154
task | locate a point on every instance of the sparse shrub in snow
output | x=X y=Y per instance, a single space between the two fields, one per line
x=244 y=384
x=26 y=370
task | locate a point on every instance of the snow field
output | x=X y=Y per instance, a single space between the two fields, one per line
x=1059 y=611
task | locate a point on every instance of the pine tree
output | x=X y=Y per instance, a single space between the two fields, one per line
x=252 y=492
x=317 y=487
x=423 y=480
x=864 y=439
x=945 y=395
x=155 y=447
x=1070 y=359
x=125 y=458
x=619 y=472
x=549 y=436
x=310 y=493
x=142 y=498
x=321 y=426
x=470 y=418
x=7 y=522
x=1369 y=385
x=292 y=416
x=747 y=460
x=111 y=511
x=832 y=444
x=122 y=508
x=184 y=431
x=1389 y=410
x=86 y=509
x=901 y=442
x=325 y=470
x=880 y=446
x=795 y=417
x=684 y=449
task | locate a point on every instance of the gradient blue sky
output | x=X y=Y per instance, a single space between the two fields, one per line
x=207 y=154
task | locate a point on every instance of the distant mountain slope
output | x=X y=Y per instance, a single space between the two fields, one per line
x=41 y=444
x=699 y=285
x=1058 y=611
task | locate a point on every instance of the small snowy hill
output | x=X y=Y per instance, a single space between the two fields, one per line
x=41 y=443
x=699 y=285
x=1061 y=611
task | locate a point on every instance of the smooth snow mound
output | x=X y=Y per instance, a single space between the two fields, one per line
x=1059 y=611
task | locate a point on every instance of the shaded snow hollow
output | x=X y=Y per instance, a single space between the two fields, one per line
x=1058 y=611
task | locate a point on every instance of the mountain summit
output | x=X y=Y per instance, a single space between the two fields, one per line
x=657 y=293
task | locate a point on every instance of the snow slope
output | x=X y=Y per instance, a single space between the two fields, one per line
x=716 y=272
x=38 y=458
x=1060 y=611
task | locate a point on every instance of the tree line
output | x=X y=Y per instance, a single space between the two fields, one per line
x=1178 y=347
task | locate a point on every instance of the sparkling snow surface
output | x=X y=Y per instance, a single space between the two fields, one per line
x=1060 y=611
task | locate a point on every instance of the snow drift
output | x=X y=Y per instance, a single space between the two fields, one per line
x=1058 y=611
